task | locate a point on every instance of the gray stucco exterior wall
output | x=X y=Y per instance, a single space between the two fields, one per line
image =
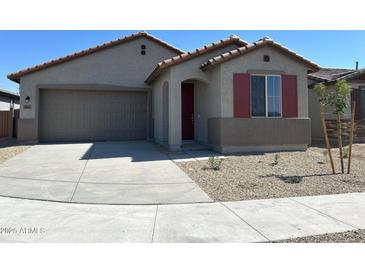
x=120 y=67
x=259 y=134
x=214 y=121
x=207 y=98
x=228 y=134
x=253 y=63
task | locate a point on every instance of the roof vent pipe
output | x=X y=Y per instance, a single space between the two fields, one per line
x=357 y=65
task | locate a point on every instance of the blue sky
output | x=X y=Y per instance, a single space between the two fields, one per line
x=22 y=49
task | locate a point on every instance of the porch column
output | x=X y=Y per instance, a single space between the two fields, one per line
x=175 y=116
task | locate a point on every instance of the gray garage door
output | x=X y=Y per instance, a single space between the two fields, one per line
x=78 y=115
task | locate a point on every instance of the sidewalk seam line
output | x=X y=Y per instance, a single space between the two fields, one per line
x=231 y=210
x=40 y=179
x=154 y=225
x=322 y=213
x=82 y=173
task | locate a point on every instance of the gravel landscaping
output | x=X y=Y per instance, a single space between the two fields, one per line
x=355 y=236
x=274 y=175
x=9 y=148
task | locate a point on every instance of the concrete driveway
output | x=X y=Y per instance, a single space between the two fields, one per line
x=105 y=172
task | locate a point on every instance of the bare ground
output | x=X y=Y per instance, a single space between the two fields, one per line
x=245 y=177
x=354 y=236
x=9 y=148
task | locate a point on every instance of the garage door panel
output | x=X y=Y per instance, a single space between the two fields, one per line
x=67 y=115
x=123 y=117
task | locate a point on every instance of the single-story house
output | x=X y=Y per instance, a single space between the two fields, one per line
x=8 y=99
x=329 y=76
x=230 y=95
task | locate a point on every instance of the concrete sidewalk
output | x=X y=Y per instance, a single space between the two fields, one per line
x=243 y=221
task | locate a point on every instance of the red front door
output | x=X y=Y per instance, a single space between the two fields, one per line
x=187 y=111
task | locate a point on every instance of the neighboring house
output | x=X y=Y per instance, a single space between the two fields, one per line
x=230 y=95
x=8 y=98
x=329 y=76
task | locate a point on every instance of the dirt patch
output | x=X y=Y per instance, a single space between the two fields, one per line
x=288 y=174
x=355 y=236
x=9 y=148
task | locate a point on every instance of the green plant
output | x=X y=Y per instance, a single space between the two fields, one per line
x=338 y=99
x=215 y=162
x=324 y=96
x=276 y=160
x=345 y=152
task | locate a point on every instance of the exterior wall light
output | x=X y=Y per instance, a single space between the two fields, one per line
x=27 y=99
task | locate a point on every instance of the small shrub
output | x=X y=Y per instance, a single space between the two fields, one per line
x=215 y=162
x=345 y=152
x=276 y=160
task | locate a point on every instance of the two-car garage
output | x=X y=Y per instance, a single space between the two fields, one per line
x=92 y=115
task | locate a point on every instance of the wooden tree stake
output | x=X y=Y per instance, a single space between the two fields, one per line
x=339 y=137
x=328 y=145
x=351 y=136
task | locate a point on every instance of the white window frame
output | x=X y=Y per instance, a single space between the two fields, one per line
x=266 y=97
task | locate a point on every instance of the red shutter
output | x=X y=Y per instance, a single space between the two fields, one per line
x=241 y=95
x=289 y=96
x=355 y=97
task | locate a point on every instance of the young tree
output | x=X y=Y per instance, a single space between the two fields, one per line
x=324 y=100
x=339 y=102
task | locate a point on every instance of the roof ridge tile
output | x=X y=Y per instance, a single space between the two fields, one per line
x=197 y=52
x=258 y=44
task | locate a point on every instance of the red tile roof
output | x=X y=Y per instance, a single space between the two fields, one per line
x=251 y=47
x=16 y=75
x=192 y=54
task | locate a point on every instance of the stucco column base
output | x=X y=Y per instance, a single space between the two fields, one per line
x=175 y=147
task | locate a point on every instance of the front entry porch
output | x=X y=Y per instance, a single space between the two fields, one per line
x=183 y=119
